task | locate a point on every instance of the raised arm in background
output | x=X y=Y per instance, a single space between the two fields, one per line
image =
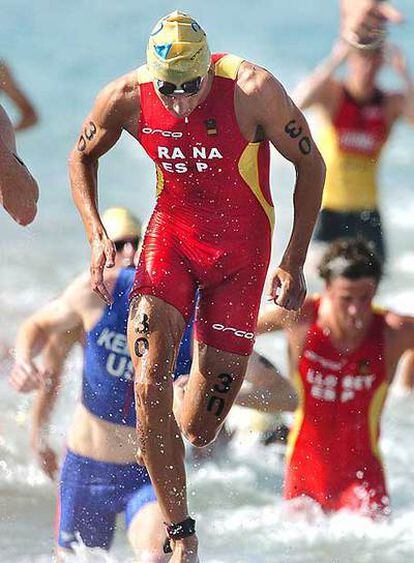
x=19 y=192
x=8 y=84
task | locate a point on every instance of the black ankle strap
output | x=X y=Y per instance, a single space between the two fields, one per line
x=178 y=531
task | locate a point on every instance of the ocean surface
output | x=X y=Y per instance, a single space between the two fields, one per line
x=63 y=53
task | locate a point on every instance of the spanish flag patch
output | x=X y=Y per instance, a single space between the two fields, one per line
x=211 y=126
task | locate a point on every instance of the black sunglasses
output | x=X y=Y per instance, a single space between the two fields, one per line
x=169 y=89
x=119 y=244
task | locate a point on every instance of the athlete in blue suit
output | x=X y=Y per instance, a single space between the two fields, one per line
x=100 y=476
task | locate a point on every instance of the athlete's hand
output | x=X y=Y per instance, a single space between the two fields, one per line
x=103 y=256
x=25 y=376
x=288 y=288
x=363 y=21
x=46 y=457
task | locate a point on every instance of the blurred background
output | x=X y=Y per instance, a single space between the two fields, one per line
x=62 y=54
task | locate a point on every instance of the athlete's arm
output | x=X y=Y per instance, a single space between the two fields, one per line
x=403 y=103
x=53 y=357
x=18 y=189
x=319 y=88
x=406 y=369
x=400 y=341
x=286 y=127
x=11 y=88
x=102 y=128
x=60 y=317
x=51 y=333
x=265 y=389
x=274 y=318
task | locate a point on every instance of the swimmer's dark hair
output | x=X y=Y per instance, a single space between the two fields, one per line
x=352 y=259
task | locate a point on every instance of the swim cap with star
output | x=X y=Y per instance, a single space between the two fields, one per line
x=177 y=50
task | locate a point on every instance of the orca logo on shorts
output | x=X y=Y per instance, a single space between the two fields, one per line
x=235 y=331
x=173 y=134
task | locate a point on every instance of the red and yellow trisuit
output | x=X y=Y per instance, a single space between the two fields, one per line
x=351 y=146
x=333 y=455
x=212 y=224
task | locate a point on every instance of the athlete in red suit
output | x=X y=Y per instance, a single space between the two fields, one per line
x=206 y=121
x=343 y=354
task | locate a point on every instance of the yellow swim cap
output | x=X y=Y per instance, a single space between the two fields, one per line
x=120 y=224
x=177 y=50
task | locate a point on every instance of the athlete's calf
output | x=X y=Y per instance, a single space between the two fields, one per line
x=155 y=329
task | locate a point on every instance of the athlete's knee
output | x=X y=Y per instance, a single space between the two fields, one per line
x=199 y=441
x=152 y=555
x=146 y=534
x=198 y=435
x=148 y=547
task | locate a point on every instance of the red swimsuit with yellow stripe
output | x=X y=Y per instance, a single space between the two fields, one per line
x=212 y=224
x=333 y=455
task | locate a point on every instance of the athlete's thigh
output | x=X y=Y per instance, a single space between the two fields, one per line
x=84 y=514
x=215 y=380
x=155 y=329
x=146 y=531
x=227 y=313
x=163 y=271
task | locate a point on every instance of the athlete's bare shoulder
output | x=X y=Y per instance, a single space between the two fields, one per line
x=395 y=103
x=399 y=332
x=329 y=97
x=397 y=322
x=262 y=105
x=119 y=100
x=116 y=109
x=80 y=296
x=264 y=110
x=255 y=80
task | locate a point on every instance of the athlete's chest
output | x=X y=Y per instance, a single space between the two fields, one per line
x=361 y=129
x=209 y=139
x=340 y=381
x=108 y=353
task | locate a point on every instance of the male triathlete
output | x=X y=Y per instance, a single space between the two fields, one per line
x=343 y=353
x=206 y=121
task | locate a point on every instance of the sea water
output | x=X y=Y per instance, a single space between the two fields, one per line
x=63 y=53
